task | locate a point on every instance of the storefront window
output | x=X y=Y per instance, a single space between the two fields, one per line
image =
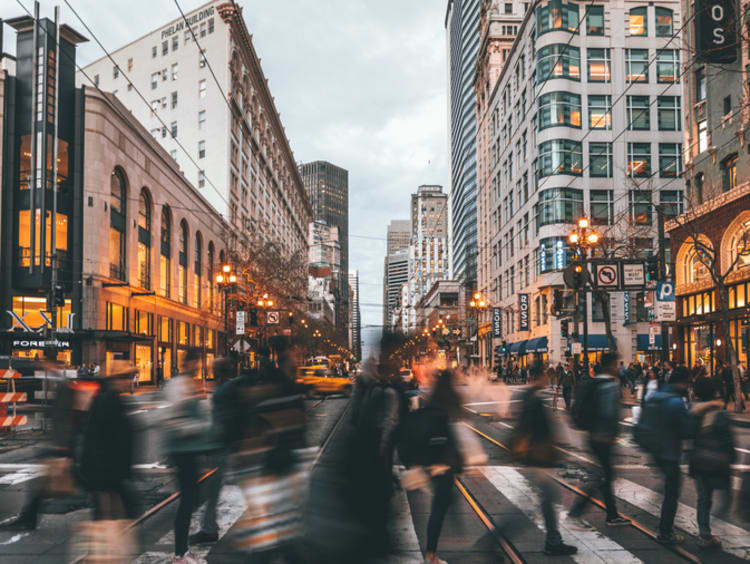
x=117 y=317
x=144 y=323
x=165 y=261
x=31 y=309
x=183 y=333
x=117 y=213
x=197 y=336
x=143 y=362
x=165 y=329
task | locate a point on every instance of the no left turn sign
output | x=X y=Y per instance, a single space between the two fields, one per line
x=606 y=276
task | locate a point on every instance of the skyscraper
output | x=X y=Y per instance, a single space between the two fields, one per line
x=355 y=328
x=462 y=35
x=328 y=190
x=395 y=267
x=399 y=235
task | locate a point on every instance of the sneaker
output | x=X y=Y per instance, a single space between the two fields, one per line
x=559 y=549
x=618 y=522
x=671 y=538
x=709 y=542
x=188 y=558
x=203 y=537
x=434 y=560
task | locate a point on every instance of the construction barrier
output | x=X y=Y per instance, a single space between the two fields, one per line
x=11 y=397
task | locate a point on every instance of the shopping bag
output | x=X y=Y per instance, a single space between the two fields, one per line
x=59 y=477
x=470 y=448
x=415 y=478
x=103 y=542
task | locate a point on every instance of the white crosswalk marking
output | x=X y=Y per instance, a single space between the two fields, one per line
x=735 y=540
x=593 y=547
x=230 y=508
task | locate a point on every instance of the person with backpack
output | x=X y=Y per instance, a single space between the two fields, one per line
x=663 y=425
x=710 y=461
x=597 y=410
x=533 y=443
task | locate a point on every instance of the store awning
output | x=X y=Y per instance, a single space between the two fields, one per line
x=597 y=343
x=518 y=348
x=536 y=345
x=643 y=344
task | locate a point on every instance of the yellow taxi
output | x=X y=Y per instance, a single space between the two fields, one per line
x=321 y=380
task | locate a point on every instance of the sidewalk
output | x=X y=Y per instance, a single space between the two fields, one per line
x=630 y=400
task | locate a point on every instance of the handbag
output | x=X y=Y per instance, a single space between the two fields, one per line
x=471 y=450
x=109 y=541
x=59 y=477
x=415 y=478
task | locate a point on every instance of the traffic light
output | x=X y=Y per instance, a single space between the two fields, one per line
x=557 y=302
x=575 y=276
x=291 y=319
x=253 y=317
x=564 y=328
x=58 y=295
x=504 y=349
x=652 y=268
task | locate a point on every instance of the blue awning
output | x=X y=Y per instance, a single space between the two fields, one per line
x=536 y=345
x=597 y=343
x=644 y=345
x=518 y=348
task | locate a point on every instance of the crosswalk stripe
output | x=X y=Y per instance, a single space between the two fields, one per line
x=230 y=508
x=735 y=540
x=593 y=547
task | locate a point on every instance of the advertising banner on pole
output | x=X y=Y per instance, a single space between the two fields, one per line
x=523 y=307
x=497 y=322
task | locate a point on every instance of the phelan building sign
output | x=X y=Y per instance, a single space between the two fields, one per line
x=191 y=19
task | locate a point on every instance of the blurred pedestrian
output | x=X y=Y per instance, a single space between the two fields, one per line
x=223 y=432
x=600 y=417
x=533 y=443
x=712 y=456
x=108 y=445
x=568 y=383
x=187 y=436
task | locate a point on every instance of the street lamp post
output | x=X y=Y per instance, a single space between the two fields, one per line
x=226 y=280
x=583 y=239
x=478 y=304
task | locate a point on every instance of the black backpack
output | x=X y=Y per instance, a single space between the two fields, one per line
x=647 y=433
x=584 y=411
x=713 y=448
x=425 y=437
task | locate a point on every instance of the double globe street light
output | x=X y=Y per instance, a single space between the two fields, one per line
x=581 y=240
x=226 y=280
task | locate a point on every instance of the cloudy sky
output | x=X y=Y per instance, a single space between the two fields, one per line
x=360 y=83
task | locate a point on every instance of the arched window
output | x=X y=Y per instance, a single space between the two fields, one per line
x=144 y=240
x=695 y=266
x=182 y=282
x=197 y=270
x=165 y=256
x=638 y=21
x=739 y=246
x=210 y=257
x=117 y=215
x=664 y=22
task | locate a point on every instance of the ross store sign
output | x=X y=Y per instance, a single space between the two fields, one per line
x=626 y=307
x=497 y=322
x=715 y=31
x=523 y=307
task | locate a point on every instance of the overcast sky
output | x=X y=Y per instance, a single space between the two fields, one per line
x=360 y=83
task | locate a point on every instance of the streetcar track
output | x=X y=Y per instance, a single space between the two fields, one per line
x=678 y=550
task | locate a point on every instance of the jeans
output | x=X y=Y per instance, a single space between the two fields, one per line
x=441 y=500
x=603 y=453
x=672 y=476
x=187 y=480
x=214 y=484
x=548 y=497
x=566 y=396
x=705 y=495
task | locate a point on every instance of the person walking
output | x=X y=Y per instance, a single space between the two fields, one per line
x=532 y=443
x=223 y=432
x=568 y=383
x=712 y=456
x=187 y=436
x=600 y=416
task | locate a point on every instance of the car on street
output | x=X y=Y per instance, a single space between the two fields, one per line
x=320 y=380
x=408 y=378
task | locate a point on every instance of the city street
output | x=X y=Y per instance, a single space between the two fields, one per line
x=499 y=493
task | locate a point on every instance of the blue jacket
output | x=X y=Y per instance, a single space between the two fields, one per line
x=606 y=426
x=677 y=425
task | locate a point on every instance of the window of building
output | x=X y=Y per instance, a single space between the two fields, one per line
x=664 y=22
x=727 y=105
x=600 y=160
x=602 y=207
x=96 y=80
x=187 y=36
x=175 y=71
x=668 y=65
x=638 y=21
x=197 y=269
x=600 y=112
x=201 y=120
x=173 y=100
x=164 y=75
x=669 y=113
x=203 y=29
x=671 y=203
x=202 y=88
x=173 y=154
x=698 y=188
x=559 y=108
x=183 y=333
x=636 y=65
x=639 y=113
x=211 y=25
x=154 y=51
x=117 y=317
x=201 y=178
x=130 y=64
x=558 y=61
x=639 y=159
x=175 y=43
x=640 y=206
x=164 y=47
x=729 y=172
x=670 y=159
x=201 y=149
x=144 y=240
x=173 y=129
x=557 y=16
x=155 y=80
x=115 y=72
x=201 y=60
x=182 y=266
x=165 y=255
x=598 y=65
x=702 y=136
x=700 y=85
x=554 y=254
x=117 y=223
x=559 y=156
x=595 y=20
x=558 y=205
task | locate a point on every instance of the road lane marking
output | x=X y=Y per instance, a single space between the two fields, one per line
x=735 y=540
x=592 y=545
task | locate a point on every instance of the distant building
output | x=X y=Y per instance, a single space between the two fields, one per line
x=327 y=187
x=324 y=271
x=396 y=275
x=324 y=248
x=398 y=235
x=355 y=319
